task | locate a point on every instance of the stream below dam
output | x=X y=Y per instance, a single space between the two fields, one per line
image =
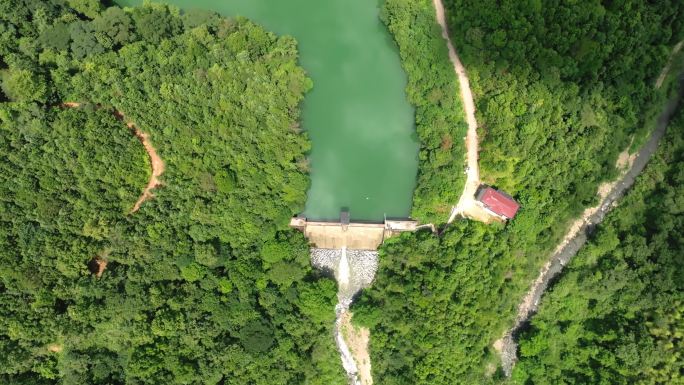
x=364 y=153
x=507 y=345
x=354 y=270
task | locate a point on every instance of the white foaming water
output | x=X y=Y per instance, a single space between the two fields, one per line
x=343 y=270
x=348 y=362
x=350 y=279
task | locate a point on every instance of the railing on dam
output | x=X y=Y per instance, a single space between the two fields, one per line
x=352 y=235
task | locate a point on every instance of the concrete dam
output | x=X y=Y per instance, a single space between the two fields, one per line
x=351 y=235
x=348 y=251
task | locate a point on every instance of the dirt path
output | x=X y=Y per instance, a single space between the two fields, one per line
x=466 y=204
x=579 y=230
x=666 y=69
x=98 y=264
x=157 y=163
x=158 y=167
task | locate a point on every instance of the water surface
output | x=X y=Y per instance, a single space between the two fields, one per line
x=364 y=148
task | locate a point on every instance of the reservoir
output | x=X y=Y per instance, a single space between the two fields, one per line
x=364 y=152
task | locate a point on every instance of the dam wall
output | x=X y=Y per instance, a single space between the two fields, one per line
x=351 y=235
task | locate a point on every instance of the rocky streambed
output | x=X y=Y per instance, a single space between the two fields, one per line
x=354 y=270
x=507 y=346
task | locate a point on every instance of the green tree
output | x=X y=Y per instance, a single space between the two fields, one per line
x=615 y=314
x=186 y=296
x=89 y=8
x=23 y=85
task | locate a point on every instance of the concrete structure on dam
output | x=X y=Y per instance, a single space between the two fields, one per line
x=350 y=235
x=348 y=250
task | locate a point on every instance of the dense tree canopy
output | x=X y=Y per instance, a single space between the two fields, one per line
x=433 y=90
x=557 y=99
x=560 y=89
x=204 y=284
x=616 y=314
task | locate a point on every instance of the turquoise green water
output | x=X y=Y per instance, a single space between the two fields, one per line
x=364 y=147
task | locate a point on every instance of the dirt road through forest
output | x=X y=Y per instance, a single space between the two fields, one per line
x=466 y=204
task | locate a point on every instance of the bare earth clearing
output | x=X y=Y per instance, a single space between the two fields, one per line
x=666 y=69
x=97 y=266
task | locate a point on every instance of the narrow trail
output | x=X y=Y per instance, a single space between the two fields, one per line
x=666 y=69
x=156 y=162
x=98 y=264
x=466 y=202
x=577 y=234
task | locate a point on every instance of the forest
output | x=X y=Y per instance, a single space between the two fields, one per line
x=560 y=90
x=433 y=90
x=205 y=283
x=616 y=315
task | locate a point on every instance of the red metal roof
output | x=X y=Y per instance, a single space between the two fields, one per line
x=499 y=202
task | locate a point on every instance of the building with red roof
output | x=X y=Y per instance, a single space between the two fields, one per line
x=497 y=202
